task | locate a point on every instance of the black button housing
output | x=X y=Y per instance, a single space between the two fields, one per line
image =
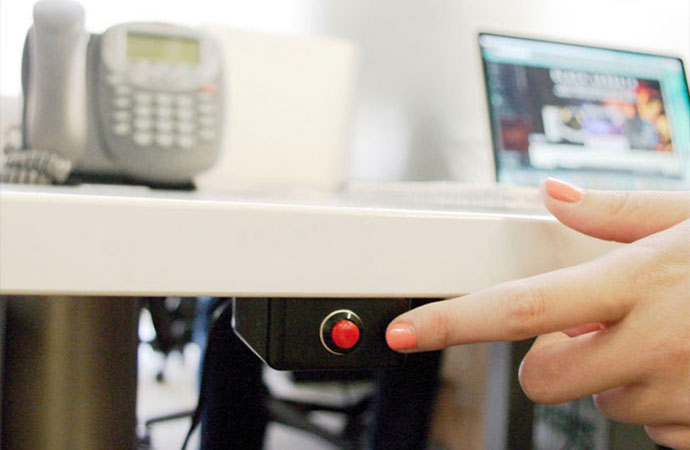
x=286 y=332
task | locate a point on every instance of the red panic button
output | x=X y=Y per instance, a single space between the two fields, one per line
x=345 y=334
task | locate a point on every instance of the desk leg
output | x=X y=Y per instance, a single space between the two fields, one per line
x=509 y=413
x=70 y=373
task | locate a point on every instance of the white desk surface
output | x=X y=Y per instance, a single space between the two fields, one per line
x=96 y=240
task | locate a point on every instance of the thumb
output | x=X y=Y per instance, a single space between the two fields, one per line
x=615 y=215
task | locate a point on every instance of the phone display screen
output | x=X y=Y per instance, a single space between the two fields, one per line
x=162 y=48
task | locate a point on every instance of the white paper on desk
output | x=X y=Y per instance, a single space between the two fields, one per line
x=288 y=115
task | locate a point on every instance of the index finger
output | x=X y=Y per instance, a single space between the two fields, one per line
x=594 y=292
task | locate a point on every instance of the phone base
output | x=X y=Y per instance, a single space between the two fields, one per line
x=77 y=178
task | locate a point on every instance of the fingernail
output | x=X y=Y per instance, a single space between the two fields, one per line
x=562 y=191
x=401 y=337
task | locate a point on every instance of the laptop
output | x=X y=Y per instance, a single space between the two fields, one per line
x=596 y=117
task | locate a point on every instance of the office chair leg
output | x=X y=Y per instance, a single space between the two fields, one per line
x=145 y=438
x=293 y=415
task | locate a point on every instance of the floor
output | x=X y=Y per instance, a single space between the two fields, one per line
x=178 y=392
x=456 y=426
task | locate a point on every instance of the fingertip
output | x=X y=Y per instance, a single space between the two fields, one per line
x=401 y=337
x=561 y=191
x=622 y=216
x=564 y=204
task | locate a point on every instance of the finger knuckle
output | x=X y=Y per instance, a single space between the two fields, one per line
x=619 y=206
x=525 y=314
x=670 y=351
x=645 y=281
x=443 y=330
x=620 y=203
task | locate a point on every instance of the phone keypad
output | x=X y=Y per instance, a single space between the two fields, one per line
x=122 y=129
x=164 y=119
x=143 y=139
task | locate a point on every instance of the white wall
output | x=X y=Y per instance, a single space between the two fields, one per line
x=259 y=15
x=422 y=113
x=420 y=107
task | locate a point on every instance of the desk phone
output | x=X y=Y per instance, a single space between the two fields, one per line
x=142 y=101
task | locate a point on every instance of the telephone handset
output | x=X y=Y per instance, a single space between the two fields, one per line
x=142 y=101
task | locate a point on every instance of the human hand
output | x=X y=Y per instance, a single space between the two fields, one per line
x=617 y=327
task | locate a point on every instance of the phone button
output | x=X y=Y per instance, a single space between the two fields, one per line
x=164 y=125
x=122 y=116
x=114 y=79
x=164 y=99
x=186 y=141
x=143 y=139
x=207 y=121
x=142 y=111
x=184 y=101
x=207 y=108
x=164 y=112
x=122 y=90
x=121 y=129
x=164 y=139
x=143 y=98
x=208 y=90
x=207 y=135
x=185 y=127
x=185 y=113
x=143 y=124
x=121 y=102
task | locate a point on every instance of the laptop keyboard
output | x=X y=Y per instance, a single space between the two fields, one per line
x=449 y=195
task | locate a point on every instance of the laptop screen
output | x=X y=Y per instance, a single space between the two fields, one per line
x=593 y=116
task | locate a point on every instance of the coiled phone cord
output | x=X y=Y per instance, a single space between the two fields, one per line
x=31 y=166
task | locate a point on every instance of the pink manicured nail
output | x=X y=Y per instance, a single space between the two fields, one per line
x=401 y=337
x=561 y=191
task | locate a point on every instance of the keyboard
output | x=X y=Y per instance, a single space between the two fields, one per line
x=449 y=195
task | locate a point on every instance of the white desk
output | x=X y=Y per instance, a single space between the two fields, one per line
x=128 y=241
x=133 y=241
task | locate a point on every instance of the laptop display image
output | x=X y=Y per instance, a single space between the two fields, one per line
x=593 y=116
